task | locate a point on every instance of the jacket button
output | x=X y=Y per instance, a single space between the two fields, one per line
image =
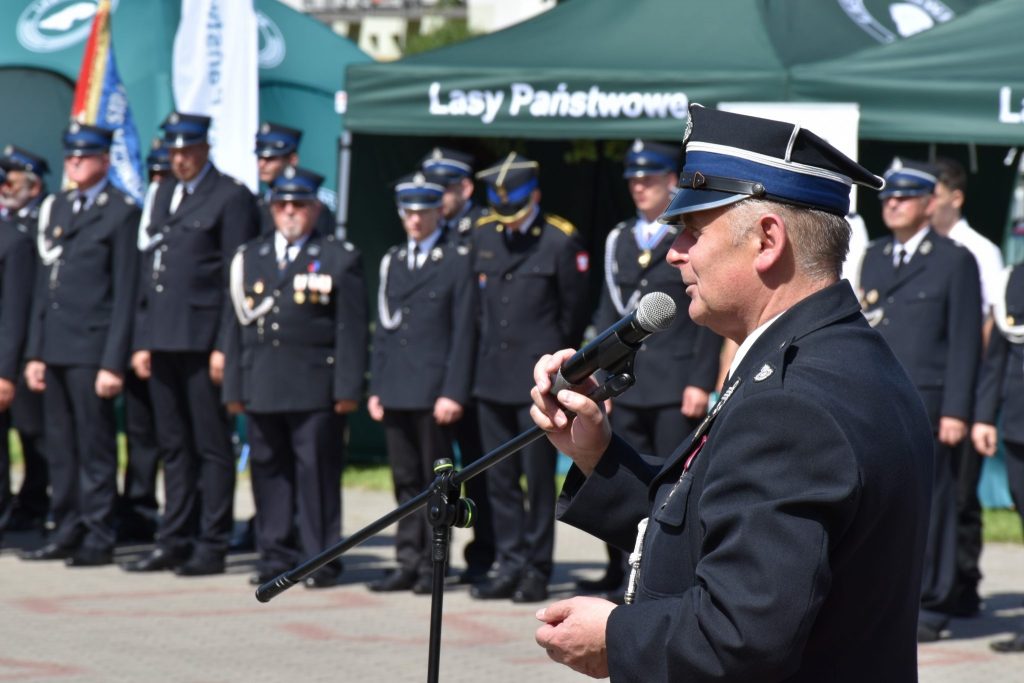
x=163 y=247
x=885 y=322
x=274 y=326
x=159 y=288
x=276 y=309
x=503 y=323
x=508 y=276
x=504 y=299
x=56 y=305
x=891 y=300
x=503 y=346
x=276 y=342
x=432 y=295
x=330 y=360
x=277 y=292
x=643 y=283
x=403 y=342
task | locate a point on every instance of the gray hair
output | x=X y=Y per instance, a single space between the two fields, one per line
x=820 y=239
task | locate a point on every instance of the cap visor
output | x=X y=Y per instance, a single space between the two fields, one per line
x=691 y=201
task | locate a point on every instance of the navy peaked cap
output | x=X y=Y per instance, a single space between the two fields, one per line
x=419 y=191
x=82 y=140
x=159 y=158
x=509 y=186
x=18 y=159
x=447 y=164
x=729 y=157
x=909 y=178
x=295 y=184
x=275 y=140
x=185 y=130
x=646 y=157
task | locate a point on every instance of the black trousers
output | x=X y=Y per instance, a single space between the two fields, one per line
x=939 y=570
x=195 y=445
x=81 y=443
x=1014 y=452
x=524 y=524
x=414 y=442
x=296 y=461
x=6 y=497
x=478 y=553
x=26 y=412
x=138 y=494
x=968 y=523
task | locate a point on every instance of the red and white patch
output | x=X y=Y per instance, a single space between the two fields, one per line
x=582 y=261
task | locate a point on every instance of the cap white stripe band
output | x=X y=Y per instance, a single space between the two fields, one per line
x=774 y=162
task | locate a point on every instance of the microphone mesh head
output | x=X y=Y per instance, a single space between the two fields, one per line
x=656 y=311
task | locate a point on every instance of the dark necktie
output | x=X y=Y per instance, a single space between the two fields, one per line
x=901 y=258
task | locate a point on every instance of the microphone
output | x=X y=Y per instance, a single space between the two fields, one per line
x=606 y=351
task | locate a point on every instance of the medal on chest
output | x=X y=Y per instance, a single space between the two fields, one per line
x=645 y=258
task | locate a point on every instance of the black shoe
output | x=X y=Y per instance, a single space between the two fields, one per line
x=533 y=587
x=201 y=565
x=135 y=528
x=424 y=585
x=927 y=633
x=157 y=560
x=1015 y=644
x=396 y=580
x=611 y=581
x=473 y=574
x=50 y=551
x=23 y=521
x=87 y=556
x=501 y=587
x=261 y=577
x=325 y=577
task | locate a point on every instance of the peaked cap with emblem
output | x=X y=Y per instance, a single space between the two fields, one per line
x=18 y=159
x=729 y=157
x=509 y=186
x=646 y=158
x=184 y=130
x=275 y=140
x=447 y=164
x=418 y=191
x=295 y=184
x=159 y=158
x=909 y=178
x=84 y=140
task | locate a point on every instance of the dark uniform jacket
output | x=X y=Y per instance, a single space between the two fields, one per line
x=17 y=273
x=307 y=348
x=325 y=222
x=785 y=537
x=1001 y=384
x=84 y=301
x=930 y=313
x=425 y=339
x=533 y=301
x=684 y=355
x=184 y=305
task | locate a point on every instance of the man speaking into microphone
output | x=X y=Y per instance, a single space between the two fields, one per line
x=783 y=539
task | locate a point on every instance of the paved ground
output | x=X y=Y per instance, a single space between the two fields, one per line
x=105 y=626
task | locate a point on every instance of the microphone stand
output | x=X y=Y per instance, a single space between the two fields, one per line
x=446 y=508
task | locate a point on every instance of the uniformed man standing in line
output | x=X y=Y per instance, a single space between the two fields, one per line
x=277 y=148
x=422 y=366
x=459 y=215
x=676 y=372
x=17 y=271
x=21 y=195
x=198 y=220
x=531 y=269
x=922 y=292
x=296 y=360
x=79 y=343
x=137 y=508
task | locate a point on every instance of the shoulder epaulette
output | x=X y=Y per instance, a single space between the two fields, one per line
x=560 y=223
x=485 y=219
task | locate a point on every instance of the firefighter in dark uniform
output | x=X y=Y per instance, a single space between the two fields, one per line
x=137 y=509
x=676 y=372
x=923 y=293
x=531 y=269
x=277 y=148
x=17 y=271
x=79 y=343
x=459 y=215
x=1001 y=399
x=21 y=195
x=296 y=360
x=422 y=368
x=199 y=218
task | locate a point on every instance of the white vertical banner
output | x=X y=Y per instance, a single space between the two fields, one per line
x=216 y=73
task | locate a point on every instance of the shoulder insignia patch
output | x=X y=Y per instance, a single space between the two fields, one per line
x=560 y=223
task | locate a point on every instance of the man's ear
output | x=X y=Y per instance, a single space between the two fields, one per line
x=772 y=236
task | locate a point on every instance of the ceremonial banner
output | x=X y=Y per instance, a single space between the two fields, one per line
x=215 y=72
x=101 y=100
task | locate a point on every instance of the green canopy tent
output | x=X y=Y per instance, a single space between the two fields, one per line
x=607 y=69
x=961 y=82
x=301 y=70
